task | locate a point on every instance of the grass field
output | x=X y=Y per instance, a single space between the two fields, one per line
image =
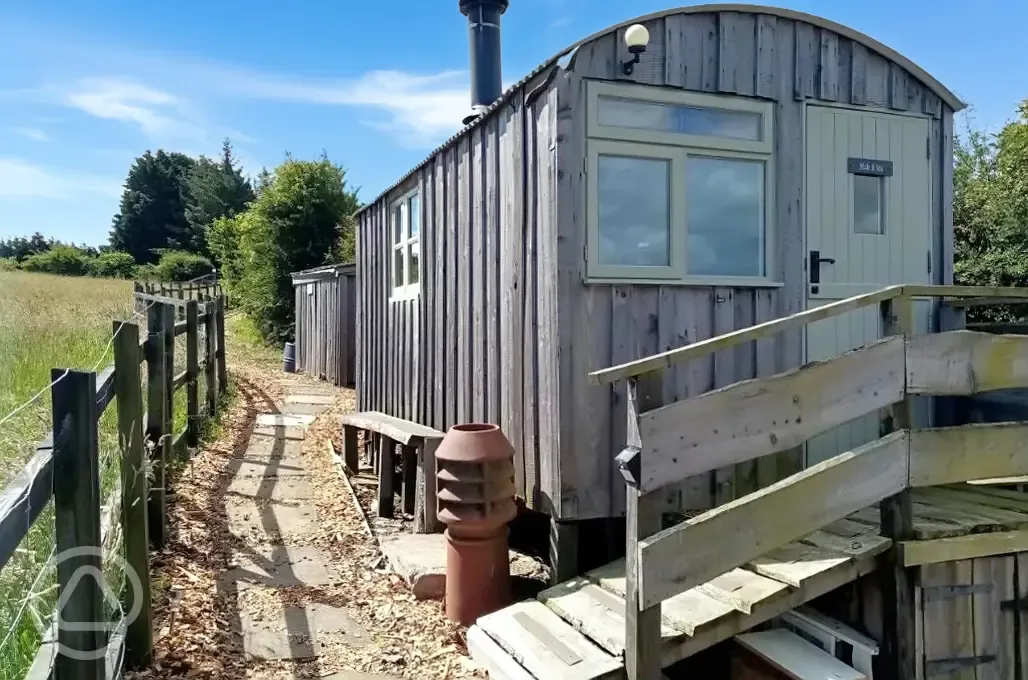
x=45 y=322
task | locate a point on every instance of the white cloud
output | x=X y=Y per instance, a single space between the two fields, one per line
x=157 y=113
x=35 y=134
x=22 y=179
x=420 y=109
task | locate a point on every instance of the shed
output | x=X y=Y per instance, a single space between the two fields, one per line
x=325 y=331
x=750 y=163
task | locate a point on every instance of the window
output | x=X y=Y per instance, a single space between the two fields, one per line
x=868 y=206
x=679 y=186
x=405 y=225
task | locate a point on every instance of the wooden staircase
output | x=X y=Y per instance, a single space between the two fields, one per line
x=576 y=629
x=684 y=588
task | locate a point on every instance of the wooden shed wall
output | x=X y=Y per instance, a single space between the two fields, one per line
x=325 y=327
x=479 y=342
x=753 y=55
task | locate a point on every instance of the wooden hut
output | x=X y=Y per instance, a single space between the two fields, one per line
x=325 y=332
x=749 y=163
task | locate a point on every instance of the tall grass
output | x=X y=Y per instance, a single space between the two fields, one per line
x=46 y=322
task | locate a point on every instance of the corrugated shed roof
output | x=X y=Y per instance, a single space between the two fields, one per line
x=324 y=271
x=947 y=96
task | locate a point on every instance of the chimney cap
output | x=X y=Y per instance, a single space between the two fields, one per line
x=467 y=5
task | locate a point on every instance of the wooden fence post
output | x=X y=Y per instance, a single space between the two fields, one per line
x=899 y=657
x=80 y=622
x=219 y=323
x=169 y=369
x=129 y=392
x=211 y=365
x=155 y=432
x=192 y=374
x=642 y=519
x=181 y=311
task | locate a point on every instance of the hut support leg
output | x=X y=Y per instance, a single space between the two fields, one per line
x=563 y=550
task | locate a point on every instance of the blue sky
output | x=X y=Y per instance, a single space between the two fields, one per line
x=87 y=86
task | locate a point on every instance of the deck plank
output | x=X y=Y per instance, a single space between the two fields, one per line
x=857 y=545
x=690 y=612
x=742 y=589
x=795 y=563
x=995 y=498
x=596 y=613
x=1005 y=519
x=547 y=646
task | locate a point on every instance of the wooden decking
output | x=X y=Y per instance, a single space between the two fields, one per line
x=577 y=629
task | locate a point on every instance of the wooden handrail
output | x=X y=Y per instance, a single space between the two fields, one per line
x=702 y=348
x=693 y=552
x=671 y=357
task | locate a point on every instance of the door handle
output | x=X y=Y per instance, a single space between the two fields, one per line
x=815 y=265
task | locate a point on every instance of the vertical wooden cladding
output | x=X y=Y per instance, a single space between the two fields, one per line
x=731 y=52
x=468 y=347
x=504 y=329
x=326 y=324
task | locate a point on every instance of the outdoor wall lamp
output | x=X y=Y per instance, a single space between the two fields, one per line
x=636 y=39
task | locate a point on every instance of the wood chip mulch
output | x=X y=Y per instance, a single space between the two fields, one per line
x=195 y=623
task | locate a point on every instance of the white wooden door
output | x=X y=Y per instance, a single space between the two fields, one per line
x=868 y=217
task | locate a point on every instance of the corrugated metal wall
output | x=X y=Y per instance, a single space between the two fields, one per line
x=326 y=307
x=465 y=349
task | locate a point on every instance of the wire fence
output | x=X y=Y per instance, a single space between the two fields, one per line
x=174 y=350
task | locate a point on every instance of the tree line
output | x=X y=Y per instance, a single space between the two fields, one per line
x=181 y=217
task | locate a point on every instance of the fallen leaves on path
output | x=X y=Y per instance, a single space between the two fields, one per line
x=196 y=623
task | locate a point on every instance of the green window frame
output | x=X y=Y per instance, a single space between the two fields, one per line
x=677 y=148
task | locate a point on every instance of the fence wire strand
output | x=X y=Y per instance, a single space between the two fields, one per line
x=34 y=600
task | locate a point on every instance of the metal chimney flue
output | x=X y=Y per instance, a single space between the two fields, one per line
x=484 y=42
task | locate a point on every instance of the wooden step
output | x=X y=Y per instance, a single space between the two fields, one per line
x=547 y=646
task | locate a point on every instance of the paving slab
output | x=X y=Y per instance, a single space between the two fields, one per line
x=303 y=409
x=276 y=489
x=295 y=434
x=298 y=633
x=275 y=467
x=270 y=520
x=263 y=446
x=282 y=566
x=323 y=399
x=420 y=560
x=284 y=420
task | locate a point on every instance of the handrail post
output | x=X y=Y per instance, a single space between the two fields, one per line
x=155 y=432
x=897 y=518
x=192 y=374
x=642 y=519
x=128 y=388
x=80 y=617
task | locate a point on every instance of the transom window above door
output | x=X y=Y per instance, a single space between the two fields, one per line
x=679 y=186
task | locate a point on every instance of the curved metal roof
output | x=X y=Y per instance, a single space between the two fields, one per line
x=945 y=94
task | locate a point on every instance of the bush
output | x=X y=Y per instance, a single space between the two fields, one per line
x=145 y=272
x=8 y=264
x=295 y=223
x=61 y=259
x=114 y=264
x=178 y=265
